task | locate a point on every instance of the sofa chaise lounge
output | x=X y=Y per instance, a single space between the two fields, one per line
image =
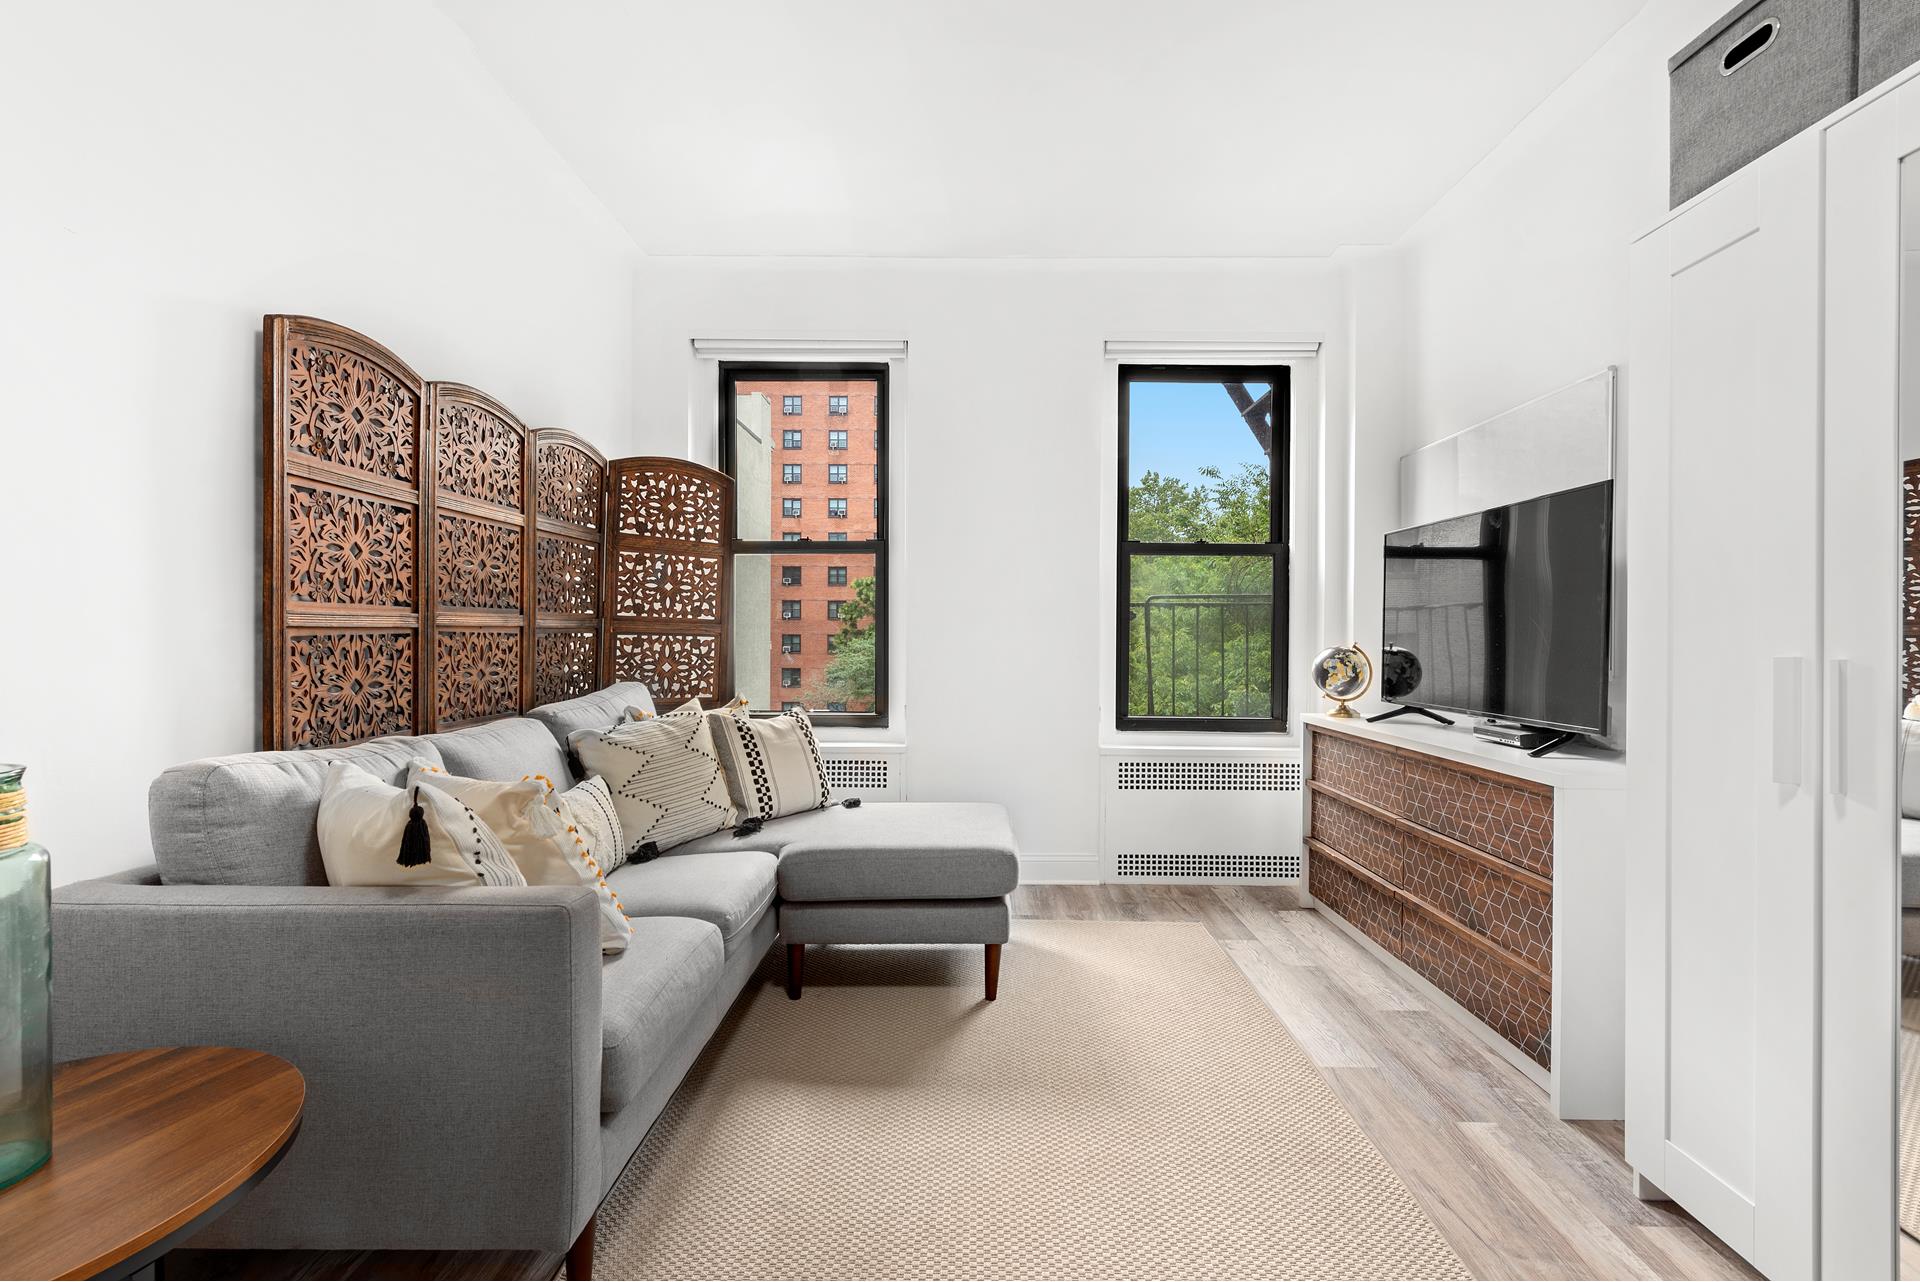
x=478 y=1076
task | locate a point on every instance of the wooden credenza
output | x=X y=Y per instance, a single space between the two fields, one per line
x=1447 y=866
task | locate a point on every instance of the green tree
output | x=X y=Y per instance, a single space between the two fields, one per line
x=1209 y=618
x=849 y=677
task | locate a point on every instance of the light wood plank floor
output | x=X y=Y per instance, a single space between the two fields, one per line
x=1517 y=1192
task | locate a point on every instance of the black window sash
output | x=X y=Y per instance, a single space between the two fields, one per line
x=1275 y=549
x=731 y=373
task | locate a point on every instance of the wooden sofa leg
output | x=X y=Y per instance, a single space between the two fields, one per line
x=580 y=1254
x=796 y=958
x=993 y=971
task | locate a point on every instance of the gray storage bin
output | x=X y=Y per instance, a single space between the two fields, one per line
x=1889 y=39
x=1754 y=79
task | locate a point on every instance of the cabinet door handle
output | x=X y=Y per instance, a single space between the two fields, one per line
x=1837 y=727
x=1787 y=719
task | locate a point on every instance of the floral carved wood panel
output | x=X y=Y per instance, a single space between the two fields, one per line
x=565 y=665
x=571 y=484
x=666 y=585
x=346 y=549
x=346 y=686
x=342 y=408
x=343 y=444
x=675 y=667
x=476 y=564
x=478 y=454
x=476 y=674
x=1910 y=602
x=566 y=576
x=673 y=505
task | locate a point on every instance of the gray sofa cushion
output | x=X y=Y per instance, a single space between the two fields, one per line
x=597 y=711
x=729 y=890
x=886 y=850
x=648 y=996
x=248 y=820
x=504 y=750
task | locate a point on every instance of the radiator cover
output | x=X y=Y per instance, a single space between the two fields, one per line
x=1200 y=816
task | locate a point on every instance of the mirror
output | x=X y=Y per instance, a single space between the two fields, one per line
x=1909 y=723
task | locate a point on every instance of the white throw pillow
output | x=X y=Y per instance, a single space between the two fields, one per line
x=545 y=846
x=588 y=806
x=665 y=777
x=772 y=763
x=363 y=821
x=1910 y=769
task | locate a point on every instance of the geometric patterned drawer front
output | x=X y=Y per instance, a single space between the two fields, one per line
x=1517 y=914
x=1512 y=1003
x=1454 y=878
x=1510 y=818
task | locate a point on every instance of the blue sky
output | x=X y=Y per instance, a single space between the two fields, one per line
x=1176 y=428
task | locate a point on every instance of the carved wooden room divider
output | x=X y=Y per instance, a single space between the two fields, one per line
x=430 y=562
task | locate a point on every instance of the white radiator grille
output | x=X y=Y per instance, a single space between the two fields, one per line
x=1187 y=867
x=856 y=773
x=1209 y=776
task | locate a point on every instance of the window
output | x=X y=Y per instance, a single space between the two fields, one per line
x=789 y=706
x=1202 y=570
x=775 y=589
x=790 y=678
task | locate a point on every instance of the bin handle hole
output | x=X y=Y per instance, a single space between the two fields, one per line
x=1750 y=46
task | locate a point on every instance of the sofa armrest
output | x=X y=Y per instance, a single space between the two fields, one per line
x=450 y=1040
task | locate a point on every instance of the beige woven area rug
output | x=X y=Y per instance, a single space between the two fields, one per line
x=1128 y=1108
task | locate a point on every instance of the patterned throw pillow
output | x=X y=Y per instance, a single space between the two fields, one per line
x=535 y=829
x=665 y=777
x=772 y=763
x=588 y=806
x=363 y=821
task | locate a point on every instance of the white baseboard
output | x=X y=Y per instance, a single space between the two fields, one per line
x=1059 y=870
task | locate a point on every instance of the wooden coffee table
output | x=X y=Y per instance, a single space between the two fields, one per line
x=148 y=1147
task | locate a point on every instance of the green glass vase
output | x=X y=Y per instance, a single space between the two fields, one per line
x=26 y=989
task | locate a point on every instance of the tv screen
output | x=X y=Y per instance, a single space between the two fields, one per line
x=1503 y=613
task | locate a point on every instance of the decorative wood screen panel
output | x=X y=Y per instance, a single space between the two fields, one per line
x=345 y=444
x=482 y=665
x=671 y=579
x=430 y=562
x=569 y=555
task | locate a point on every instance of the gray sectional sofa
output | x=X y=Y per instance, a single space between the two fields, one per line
x=478 y=1075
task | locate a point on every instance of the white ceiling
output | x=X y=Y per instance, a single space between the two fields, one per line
x=1076 y=128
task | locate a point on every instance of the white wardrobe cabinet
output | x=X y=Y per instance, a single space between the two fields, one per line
x=1764 y=581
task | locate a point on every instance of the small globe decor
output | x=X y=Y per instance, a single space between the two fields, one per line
x=1342 y=673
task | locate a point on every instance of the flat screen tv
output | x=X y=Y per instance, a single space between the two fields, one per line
x=1504 y=613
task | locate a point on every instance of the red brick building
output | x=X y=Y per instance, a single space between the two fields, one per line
x=824 y=488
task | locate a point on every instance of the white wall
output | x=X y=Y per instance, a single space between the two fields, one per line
x=1516 y=279
x=1000 y=421
x=172 y=173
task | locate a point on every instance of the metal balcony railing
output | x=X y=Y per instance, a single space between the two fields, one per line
x=1206 y=654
